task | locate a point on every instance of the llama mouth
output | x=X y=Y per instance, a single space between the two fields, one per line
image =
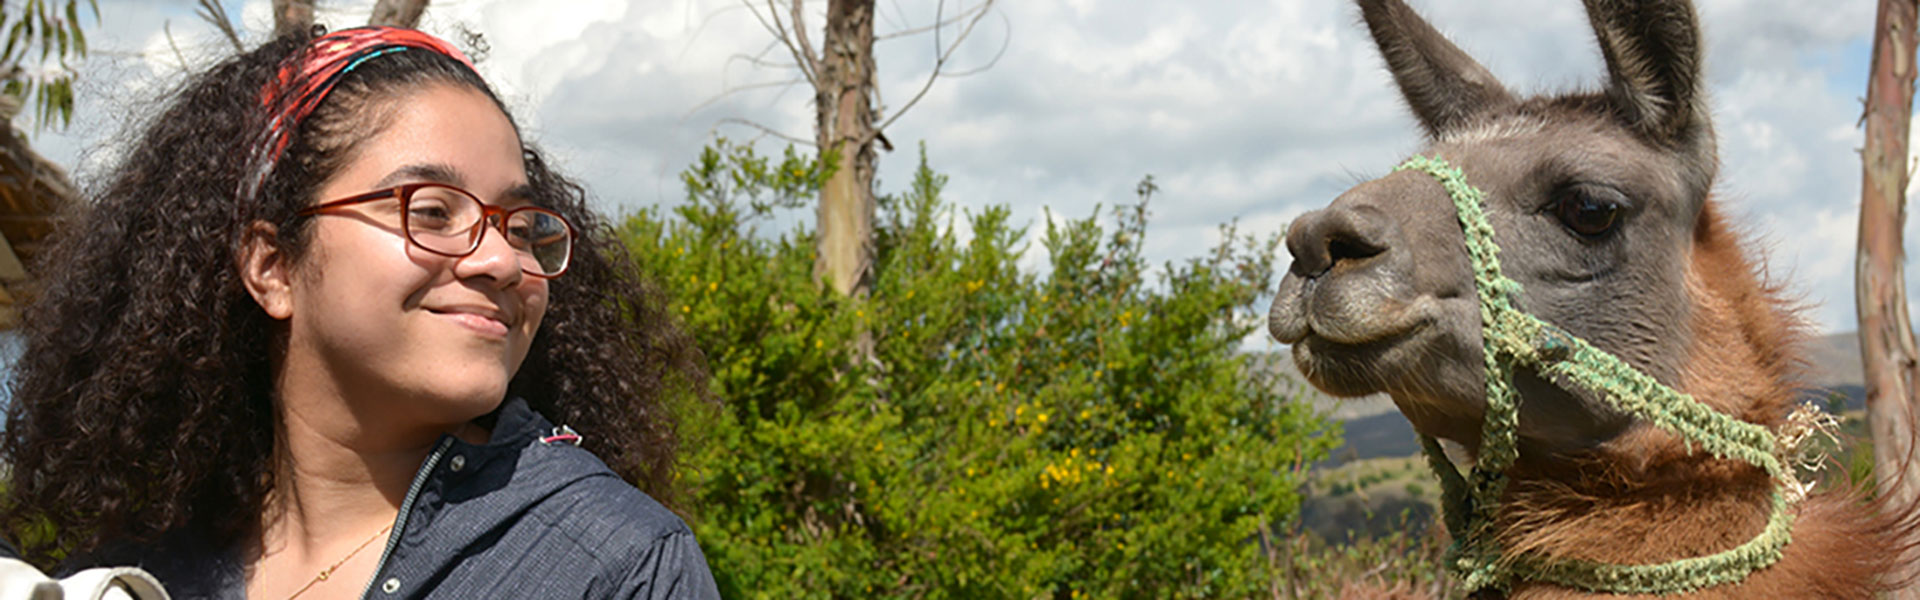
x=1346 y=369
x=1349 y=354
x=1350 y=317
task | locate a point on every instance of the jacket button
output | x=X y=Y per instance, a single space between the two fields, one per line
x=392 y=585
x=459 y=462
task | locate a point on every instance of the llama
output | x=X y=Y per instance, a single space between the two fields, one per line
x=1599 y=205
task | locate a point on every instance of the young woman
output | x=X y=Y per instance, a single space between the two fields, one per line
x=307 y=338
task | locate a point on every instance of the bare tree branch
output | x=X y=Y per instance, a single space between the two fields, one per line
x=742 y=88
x=944 y=54
x=772 y=23
x=212 y=12
x=167 y=28
x=808 y=60
x=937 y=24
x=758 y=59
x=766 y=130
x=1005 y=43
x=398 y=13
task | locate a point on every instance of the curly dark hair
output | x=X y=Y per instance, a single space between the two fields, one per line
x=142 y=405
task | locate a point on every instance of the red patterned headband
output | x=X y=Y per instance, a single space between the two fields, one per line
x=308 y=76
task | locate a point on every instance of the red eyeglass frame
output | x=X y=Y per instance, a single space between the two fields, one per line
x=404 y=193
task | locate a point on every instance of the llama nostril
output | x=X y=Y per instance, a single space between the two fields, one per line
x=1323 y=239
x=1351 y=248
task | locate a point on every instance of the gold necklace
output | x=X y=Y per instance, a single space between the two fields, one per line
x=328 y=572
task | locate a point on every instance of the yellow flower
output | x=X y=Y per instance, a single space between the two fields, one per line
x=1042 y=417
x=686 y=309
x=1000 y=387
x=1085 y=414
x=712 y=286
x=817 y=343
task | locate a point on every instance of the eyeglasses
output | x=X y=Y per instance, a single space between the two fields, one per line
x=450 y=221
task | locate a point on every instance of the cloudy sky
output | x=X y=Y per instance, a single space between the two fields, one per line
x=1250 y=110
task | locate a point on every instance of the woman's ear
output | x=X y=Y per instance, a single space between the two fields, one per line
x=265 y=271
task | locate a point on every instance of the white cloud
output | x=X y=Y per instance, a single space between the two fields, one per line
x=1256 y=110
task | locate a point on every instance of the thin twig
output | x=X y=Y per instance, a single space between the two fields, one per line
x=742 y=88
x=957 y=17
x=167 y=28
x=809 y=61
x=214 y=13
x=766 y=130
x=942 y=55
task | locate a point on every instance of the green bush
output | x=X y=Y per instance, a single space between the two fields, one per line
x=968 y=429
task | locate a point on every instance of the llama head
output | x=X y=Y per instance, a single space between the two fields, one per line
x=1595 y=198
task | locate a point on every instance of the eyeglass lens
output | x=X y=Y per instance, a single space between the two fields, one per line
x=448 y=221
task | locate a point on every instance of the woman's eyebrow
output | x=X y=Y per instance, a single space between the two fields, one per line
x=523 y=195
x=430 y=172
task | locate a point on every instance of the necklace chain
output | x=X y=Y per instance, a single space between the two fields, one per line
x=328 y=572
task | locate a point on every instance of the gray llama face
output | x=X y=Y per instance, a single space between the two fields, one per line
x=1593 y=197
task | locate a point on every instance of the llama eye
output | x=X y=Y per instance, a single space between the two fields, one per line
x=1588 y=212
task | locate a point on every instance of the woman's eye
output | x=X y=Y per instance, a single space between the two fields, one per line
x=1587 y=213
x=427 y=212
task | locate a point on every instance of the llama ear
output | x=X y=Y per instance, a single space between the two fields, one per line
x=1443 y=85
x=1653 y=53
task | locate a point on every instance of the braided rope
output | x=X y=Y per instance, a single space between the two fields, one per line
x=1516 y=339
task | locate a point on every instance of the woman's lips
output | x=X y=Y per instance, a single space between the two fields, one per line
x=479 y=323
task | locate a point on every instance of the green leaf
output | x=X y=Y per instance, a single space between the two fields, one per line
x=15 y=35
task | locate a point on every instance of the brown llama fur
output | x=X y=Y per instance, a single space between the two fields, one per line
x=1643 y=498
x=1380 y=299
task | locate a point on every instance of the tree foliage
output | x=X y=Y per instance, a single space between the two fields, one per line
x=41 y=35
x=1090 y=429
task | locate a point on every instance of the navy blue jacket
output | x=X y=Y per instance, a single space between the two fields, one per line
x=515 y=518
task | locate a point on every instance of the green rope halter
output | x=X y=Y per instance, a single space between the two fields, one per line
x=1517 y=339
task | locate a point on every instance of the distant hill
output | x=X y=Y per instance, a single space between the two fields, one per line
x=1834 y=360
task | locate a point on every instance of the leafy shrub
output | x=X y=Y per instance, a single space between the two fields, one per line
x=970 y=429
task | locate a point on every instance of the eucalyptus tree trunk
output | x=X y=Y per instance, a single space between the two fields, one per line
x=1886 y=334
x=844 y=128
x=291 y=16
x=398 y=13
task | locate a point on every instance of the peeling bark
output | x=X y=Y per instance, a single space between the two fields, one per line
x=843 y=103
x=1886 y=333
